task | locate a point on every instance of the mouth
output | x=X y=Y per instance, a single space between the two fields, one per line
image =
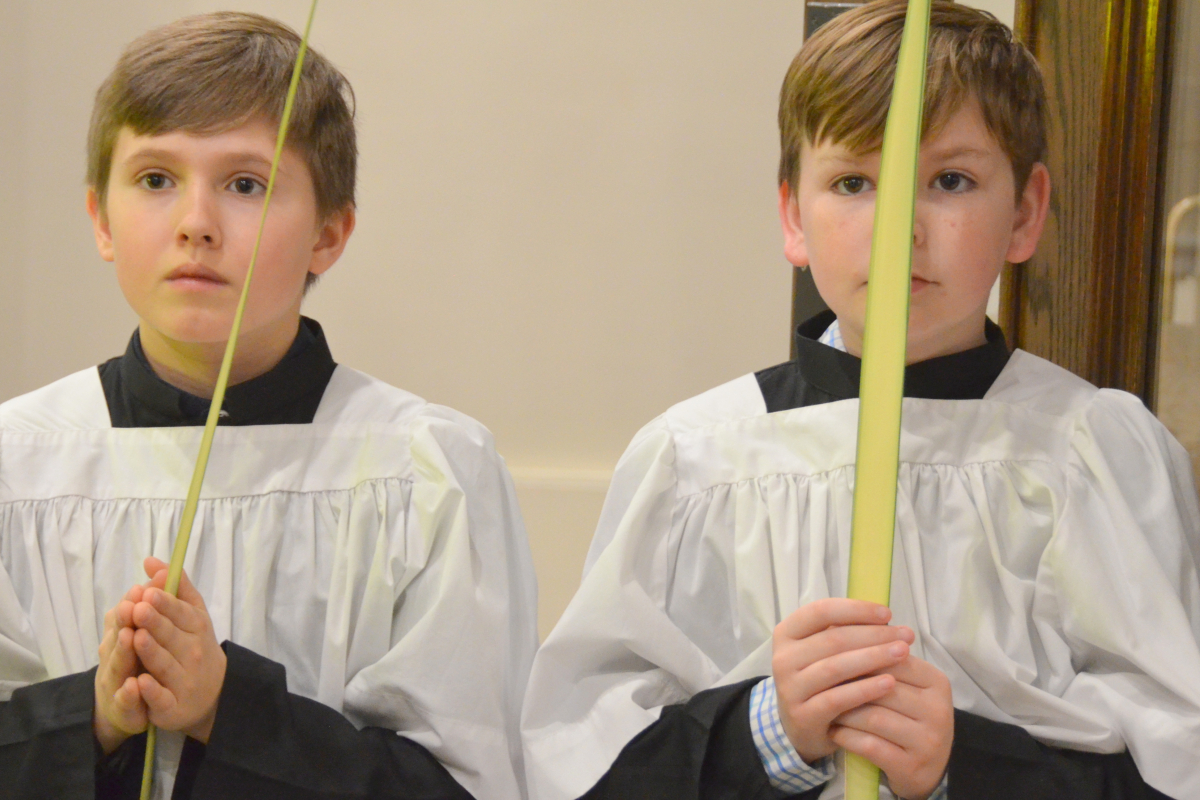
x=195 y=276
x=920 y=283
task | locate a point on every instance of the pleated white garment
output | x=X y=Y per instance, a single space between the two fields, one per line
x=1046 y=555
x=377 y=553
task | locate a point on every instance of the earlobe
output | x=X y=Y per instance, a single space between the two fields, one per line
x=795 y=249
x=332 y=237
x=1031 y=215
x=100 y=226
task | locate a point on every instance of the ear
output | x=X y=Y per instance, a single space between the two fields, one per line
x=332 y=236
x=100 y=228
x=794 y=246
x=1030 y=220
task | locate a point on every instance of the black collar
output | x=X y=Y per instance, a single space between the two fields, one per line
x=823 y=374
x=288 y=394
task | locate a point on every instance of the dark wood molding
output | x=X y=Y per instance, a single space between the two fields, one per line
x=1088 y=300
x=1127 y=292
x=805 y=300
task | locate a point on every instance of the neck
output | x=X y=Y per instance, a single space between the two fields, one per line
x=193 y=367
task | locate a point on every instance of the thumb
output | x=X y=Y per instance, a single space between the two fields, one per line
x=153 y=566
x=188 y=593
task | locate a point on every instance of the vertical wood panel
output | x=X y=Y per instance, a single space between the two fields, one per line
x=1087 y=299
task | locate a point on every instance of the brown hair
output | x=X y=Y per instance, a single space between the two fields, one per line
x=213 y=72
x=839 y=86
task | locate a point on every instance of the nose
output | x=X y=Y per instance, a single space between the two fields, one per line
x=918 y=230
x=198 y=224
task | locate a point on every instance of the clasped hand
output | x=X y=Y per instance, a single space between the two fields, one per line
x=845 y=678
x=160 y=663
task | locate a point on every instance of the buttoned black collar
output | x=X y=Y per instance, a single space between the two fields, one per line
x=287 y=394
x=823 y=374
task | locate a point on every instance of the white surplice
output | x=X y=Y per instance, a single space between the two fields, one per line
x=377 y=553
x=1048 y=537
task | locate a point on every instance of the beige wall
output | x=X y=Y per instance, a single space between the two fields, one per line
x=566 y=215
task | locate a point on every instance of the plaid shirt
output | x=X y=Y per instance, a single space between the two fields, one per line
x=785 y=768
x=832 y=337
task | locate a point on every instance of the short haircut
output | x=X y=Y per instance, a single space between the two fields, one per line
x=839 y=86
x=211 y=73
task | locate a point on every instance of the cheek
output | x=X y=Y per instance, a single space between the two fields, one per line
x=838 y=233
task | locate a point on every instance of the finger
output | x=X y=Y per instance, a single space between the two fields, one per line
x=907 y=700
x=180 y=613
x=124 y=659
x=817 y=616
x=107 y=642
x=921 y=674
x=159 y=700
x=158 y=660
x=798 y=654
x=123 y=613
x=878 y=720
x=128 y=698
x=147 y=618
x=843 y=667
x=832 y=703
x=117 y=660
x=153 y=566
x=880 y=752
x=189 y=594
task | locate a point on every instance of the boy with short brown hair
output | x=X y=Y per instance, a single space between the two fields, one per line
x=1041 y=525
x=358 y=549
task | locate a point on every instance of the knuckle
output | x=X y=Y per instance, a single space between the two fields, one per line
x=823 y=707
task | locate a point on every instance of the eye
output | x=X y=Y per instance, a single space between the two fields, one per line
x=155 y=181
x=851 y=185
x=247 y=186
x=953 y=182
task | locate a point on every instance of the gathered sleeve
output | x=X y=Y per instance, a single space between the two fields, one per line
x=616 y=656
x=1118 y=588
x=46 y=741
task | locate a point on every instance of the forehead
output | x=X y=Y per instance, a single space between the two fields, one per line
x=252 y=137
x=963 y=133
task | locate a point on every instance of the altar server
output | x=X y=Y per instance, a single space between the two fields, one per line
x=1042 y=637
x=358 y=551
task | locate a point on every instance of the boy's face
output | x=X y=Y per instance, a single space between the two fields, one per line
x=179 y=223
x=967 y=226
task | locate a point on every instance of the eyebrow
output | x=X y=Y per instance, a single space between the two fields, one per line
x=959 y=152
x=158 y=154
x=849 y=159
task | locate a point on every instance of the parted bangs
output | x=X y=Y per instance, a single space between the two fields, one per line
x=839 y=86
x=211 y=73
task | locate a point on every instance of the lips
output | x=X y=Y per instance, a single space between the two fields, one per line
x=196 y=275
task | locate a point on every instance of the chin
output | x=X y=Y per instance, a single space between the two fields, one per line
x=193 y=328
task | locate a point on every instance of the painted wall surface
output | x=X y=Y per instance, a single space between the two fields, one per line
x=566 y=215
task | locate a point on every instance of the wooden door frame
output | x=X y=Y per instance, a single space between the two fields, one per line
x=1089 y=300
